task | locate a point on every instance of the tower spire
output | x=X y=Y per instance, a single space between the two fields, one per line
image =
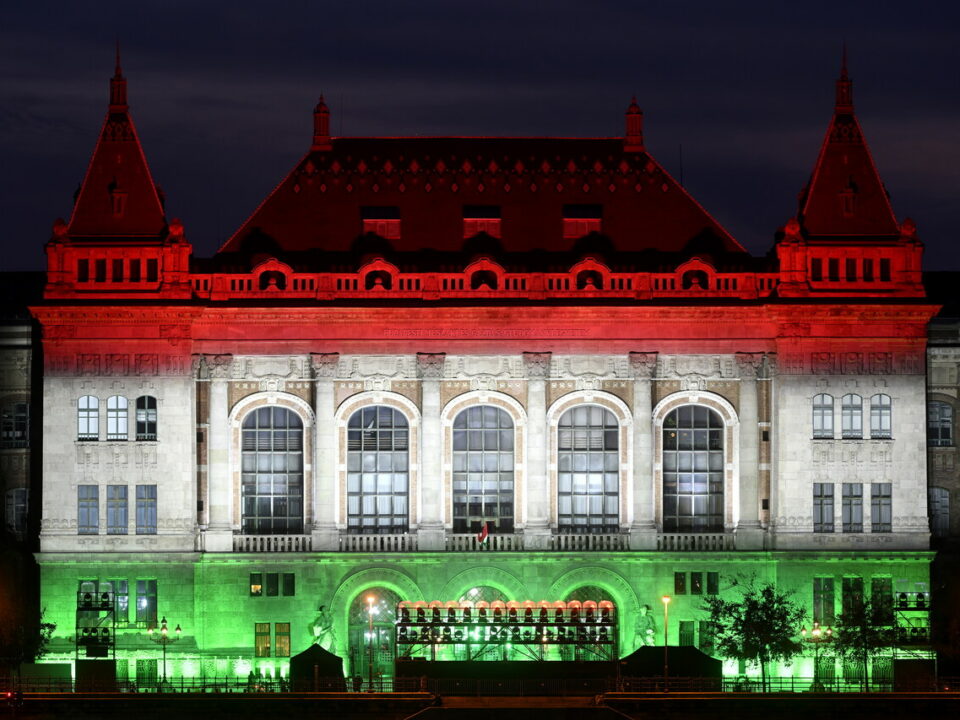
x=118 y=87
x=321 y=127
x=633 y=140
x=844 y=102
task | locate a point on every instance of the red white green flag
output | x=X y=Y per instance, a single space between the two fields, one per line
x=483 y=534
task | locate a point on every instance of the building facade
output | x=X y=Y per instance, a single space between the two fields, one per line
x=462 y=369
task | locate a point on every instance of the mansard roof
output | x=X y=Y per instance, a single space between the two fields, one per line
x=429 y=182
x=845 y=196
x=118 y=198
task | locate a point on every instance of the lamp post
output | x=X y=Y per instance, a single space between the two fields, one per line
x=818 y=635
x=666 y=624
x=370 y=601
x=163 y=639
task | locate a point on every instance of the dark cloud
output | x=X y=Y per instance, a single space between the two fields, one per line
x=222 y=94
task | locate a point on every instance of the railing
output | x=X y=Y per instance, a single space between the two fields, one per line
x=694 y=542
x=494 y=543
x=272 y=543
x=378 y=543
x=608 y=542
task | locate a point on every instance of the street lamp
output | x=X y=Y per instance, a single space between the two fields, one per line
x=818 y=635
x=370 y=601
x=666 y=622
x=163 y=639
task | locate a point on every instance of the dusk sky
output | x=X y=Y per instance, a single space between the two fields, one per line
x=222 y=95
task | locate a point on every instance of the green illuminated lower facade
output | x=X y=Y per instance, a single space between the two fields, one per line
x=249 y=612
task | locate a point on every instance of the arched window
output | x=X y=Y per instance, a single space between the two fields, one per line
x=881 y=417
x=851 y=417
x=693 y=470
x=483 y=470
x=272 y=481
x=116 y=417
x=377 y=607
x=88 y=418
x=588 y=477
x=378 y=442
x=939 y=424
x=939 y=499
x=146 y=417
x=823 y=416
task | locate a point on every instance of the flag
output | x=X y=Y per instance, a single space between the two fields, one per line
x=482 y=535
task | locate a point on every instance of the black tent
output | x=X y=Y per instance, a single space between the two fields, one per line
x=685 y=661
x=316 y=670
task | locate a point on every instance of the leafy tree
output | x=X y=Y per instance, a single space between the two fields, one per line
x=863 y=630
x=759 y=627
x=20 y=643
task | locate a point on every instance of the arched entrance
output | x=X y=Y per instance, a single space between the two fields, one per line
x=370 y=631
x=585 y=597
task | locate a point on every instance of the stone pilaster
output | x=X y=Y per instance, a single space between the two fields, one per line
x=536 y=531
x=430 y=367
x=748 y=531
x=643 y=530
x=325 y=496
x=219 y=533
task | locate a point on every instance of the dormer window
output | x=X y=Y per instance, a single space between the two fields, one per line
x=481 y=219
x=580 y=220
x=381 y=220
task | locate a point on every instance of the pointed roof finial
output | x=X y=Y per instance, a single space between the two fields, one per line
x=118 y=87
x=844 y=102
x=321 y=126
x=633 y=140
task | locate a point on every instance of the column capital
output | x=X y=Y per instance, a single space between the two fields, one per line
x=643 y=364
x=325 y=365
x=430 y=365
x=749 y=364
x=537 y=364
x=220 y=367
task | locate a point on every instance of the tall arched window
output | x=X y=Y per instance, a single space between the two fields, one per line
x=588 y=477
x=88 y=418
x=116 y=417
x=378 y=442
x=272 y=482
x=851 y=417
x=823 y=416
x=483 y=470
x=693 y=470
x=146 y=417
x=881 y=421
x=939 y=424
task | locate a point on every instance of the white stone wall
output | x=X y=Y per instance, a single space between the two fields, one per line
x=800 y=461
x=169 y=463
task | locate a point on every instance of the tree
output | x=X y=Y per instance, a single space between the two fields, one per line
x=20 y=643
x=759 y=627
x=863 y=630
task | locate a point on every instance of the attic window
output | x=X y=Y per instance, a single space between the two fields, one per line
x=481 y=219
x=381 y=220
x=119 y=201
x=580 y=220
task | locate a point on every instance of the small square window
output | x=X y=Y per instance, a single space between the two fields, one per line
x=273 y=584
x=256 y=584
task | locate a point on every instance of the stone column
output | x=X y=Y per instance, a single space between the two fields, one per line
x=749 y=535
x=219 y=533
x=430 y=535
x=325 y=462
x=643 y=529
x=536 y=532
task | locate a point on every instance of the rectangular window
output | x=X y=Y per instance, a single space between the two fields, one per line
x=823 y=600
x=16 y=510
x=833 y=268
x=261 y=639
x=481 y=219
x=147 y=603
x=852 y=507
x=83 y=270
x=707 y=635
x=256 y=584
x=273 y=584
x=679 y=583
x=100 y=270
x=116 y=509
x=382 y=221
x=580 y=220
x=88 y=509
x=816 y=269
x=117 y=267
x=282 y=632
x=822 y=507
x=852 y=594
x=881 y=507
x=134 y=271
x=696 y=583
x=687 y=630
x=146 y=417
x=153 y=270
x=121 y=596
x=146 y=509
x=884 y=269
x=881 y=598
x=713 y=583
x=868 y=270
x=851 y=269
x=15 y=425
x=289 y=584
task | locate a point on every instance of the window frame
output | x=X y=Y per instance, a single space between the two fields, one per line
x=15 y=425
x=851 y=417
x=693 y=476
x=852 y=507
x=823 y=408
x=881 y=417
x=881 y=507
x=88 y=509
x=824 y=508
x=944 y=422
x=273 y=477
x=118 y=418
x=145 y=418
x=469 y=440
x=118 y=513
x=146 y=609
x=581 y=446
x=372 y=509
x=88 y=418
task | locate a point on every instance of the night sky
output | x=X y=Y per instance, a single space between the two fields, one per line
x=222 y=96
